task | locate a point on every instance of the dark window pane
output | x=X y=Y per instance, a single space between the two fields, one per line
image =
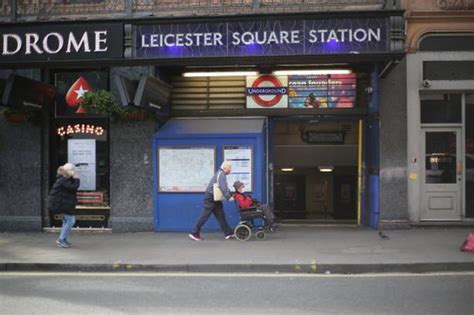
x=440 y=108
x=448 y=43
x=440 y=157
x=448 y=70
x=469 y=155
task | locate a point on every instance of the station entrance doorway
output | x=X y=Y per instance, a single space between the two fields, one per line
x=316 y=170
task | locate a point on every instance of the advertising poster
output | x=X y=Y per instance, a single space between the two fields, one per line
x=322 y=91
x=82 y=153
x=241 y=159
x=267 y=91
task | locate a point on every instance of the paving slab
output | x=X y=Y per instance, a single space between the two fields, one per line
x=289 y=249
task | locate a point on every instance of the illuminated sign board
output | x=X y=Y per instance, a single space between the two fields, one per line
x=80 y=128
x=262 y=38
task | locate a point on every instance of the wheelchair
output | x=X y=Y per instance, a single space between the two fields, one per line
x=251 y=220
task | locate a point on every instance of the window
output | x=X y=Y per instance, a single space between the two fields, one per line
x=447 y=43
x=448 y=70
x=440 y=157
x=440 y=108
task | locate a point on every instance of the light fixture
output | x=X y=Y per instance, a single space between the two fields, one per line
x=219 y=74
x=287 y=169
x=326 y=169
x=306 y=72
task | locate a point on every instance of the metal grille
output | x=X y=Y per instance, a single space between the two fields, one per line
x=5 y=8
x=245 y=6
x=64 y=7
x=208 y=93
x=89 y=8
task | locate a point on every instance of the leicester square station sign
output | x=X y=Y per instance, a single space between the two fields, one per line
x=262 y=38
x=50 y=42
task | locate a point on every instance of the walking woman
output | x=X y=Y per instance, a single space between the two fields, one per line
x=62 y=199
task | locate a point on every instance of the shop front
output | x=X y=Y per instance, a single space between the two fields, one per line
x=292 y=100
x=440 y=86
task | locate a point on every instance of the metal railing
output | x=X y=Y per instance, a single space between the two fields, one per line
x=84 y=9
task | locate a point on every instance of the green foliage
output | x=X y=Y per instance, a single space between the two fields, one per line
x=100 y=102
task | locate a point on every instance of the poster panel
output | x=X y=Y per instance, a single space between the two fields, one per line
x=241 y=159
x=322 y=91
x=185 y=169
x=82 y=153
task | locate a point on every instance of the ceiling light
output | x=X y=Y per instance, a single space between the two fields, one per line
x=219 y=74
x=326 y=169
x=287 y=169
x=306 y=72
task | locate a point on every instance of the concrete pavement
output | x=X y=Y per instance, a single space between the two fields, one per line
x=294 y=249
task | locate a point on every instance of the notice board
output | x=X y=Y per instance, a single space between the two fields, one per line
x=185 y=169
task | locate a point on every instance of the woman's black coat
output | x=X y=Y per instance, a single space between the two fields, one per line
x=62 y=197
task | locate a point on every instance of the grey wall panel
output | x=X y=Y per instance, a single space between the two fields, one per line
x=20 y=170
x=20 y=176
x=393 y=146
x=131 y=176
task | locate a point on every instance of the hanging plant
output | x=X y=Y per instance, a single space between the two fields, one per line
x=100 y=102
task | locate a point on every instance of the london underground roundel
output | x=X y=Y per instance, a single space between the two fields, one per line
x=267 y=91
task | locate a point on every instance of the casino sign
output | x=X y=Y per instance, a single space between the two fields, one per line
x=267 y=91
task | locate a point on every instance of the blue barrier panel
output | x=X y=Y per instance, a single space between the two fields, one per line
x=176 y=210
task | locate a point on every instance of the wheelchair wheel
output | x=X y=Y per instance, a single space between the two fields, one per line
x=242 y=232
x=260 y=235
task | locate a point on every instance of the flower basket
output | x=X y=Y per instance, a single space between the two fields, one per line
x=16 y=117
x=134 y=115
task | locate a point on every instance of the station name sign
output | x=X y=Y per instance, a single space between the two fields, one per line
x=262 y=38
x=49 y=42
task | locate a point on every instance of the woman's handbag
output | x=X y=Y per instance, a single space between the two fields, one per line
x=216 y=191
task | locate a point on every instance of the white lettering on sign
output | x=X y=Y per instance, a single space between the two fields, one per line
x=17 y=40
x=46 y=43
x=215 y=39
x=77 y=46
x=343 y=35
x=32 y=42
x=266 y=38
x=182 y=39
x=53 y=43
x=99 y=40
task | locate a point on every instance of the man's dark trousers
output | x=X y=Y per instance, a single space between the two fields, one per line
x=216 y=207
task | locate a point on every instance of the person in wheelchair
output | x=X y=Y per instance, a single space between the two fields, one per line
x=247 y=202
